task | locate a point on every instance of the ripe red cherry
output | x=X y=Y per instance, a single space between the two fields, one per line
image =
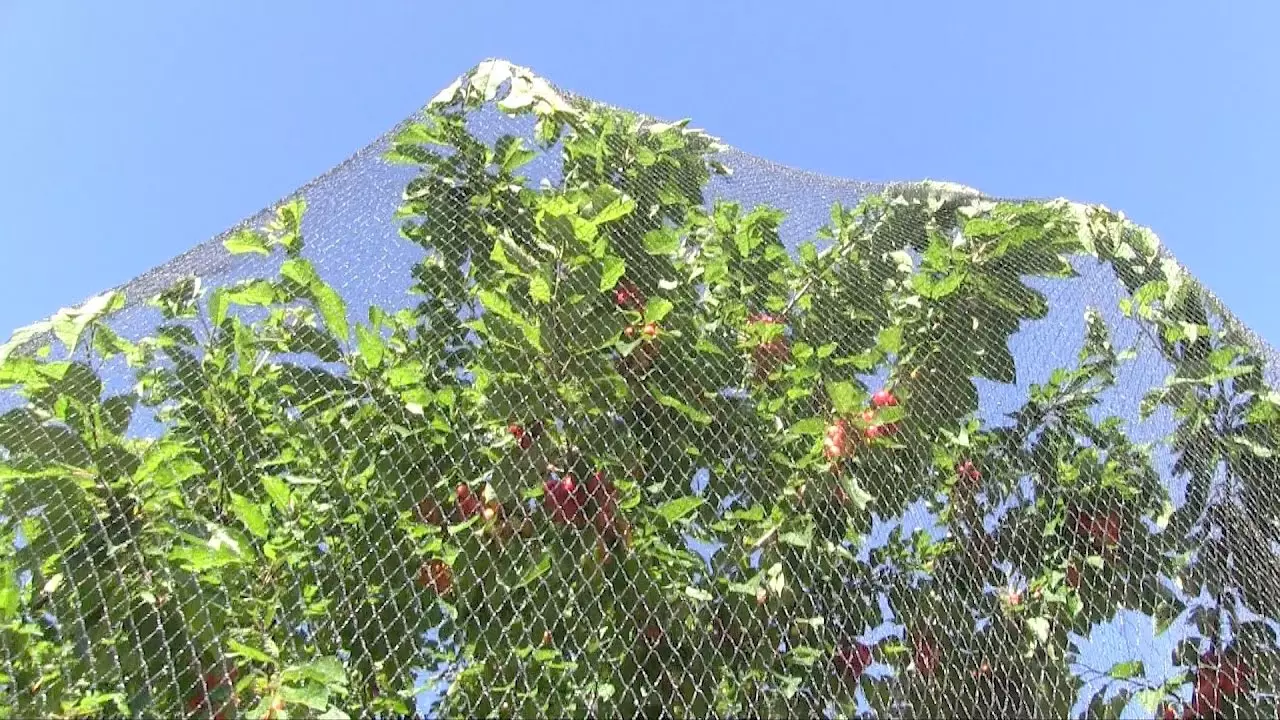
x=1170 y=713
x=926 y=657
x=875 y=431
x=968 y=471
x=650 y=330
x=627 y=296
x=835 y=440
x=883 y=398
x=436 y=576
x=525 y=440
x=629 y=332
x=469 y=504
x=851 y=661
x=1073 y=576
x=564 y=500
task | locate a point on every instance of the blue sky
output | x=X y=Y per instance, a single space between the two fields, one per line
x=133 y=130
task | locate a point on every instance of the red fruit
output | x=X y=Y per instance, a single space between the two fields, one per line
x=650 y=330
x=436 y=576
x=428 y=511
x=868 y=416
x=1170 y=713
x=1208 y=696
x=769 y=355
x=968 y=471
x=1073 y=576
x=835 y=442
x=469 y=504
x=523 y=439
x=492 y=511
x=876 y=431
x=1233 y=677
x=564 y=500
x=652 y=634
x=852 y=661
x=883 y=398
x=629 y=332
x=628 y=296
x=926 y=657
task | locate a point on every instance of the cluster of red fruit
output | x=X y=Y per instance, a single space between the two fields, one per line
x=572 y=503
x=629 y=297
x=1102 y=530
x=968 y=473
x=851 y=660
x=1217 y=679
x=769 y=355
x=926 y=655
x=835 y=441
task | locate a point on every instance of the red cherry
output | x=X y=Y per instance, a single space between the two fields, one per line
x=650 y=330
x=516 y=430
x=835 y=441
x=627 y=296
x=436 y=576
x=1073 y=576
x=629 y=332
x=868 y=416
x=875 y=431
x=926 y=657
x=1170 y=713
x=468 y=504
x=852 y=661
x=883 y=398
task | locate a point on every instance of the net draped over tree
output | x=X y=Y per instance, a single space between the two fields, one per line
x=538 y=407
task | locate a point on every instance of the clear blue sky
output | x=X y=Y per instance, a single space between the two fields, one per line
x=133 y=130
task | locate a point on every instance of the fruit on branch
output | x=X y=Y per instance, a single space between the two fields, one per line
x=883 y=398
x=762 y=596
x=605 y=496
x=1102 y=530
x=770 y=354
x=650 y=330
x=524 y=439
x=547 y=639
x=627 y=296
x=835 y=441
x=925 y=655
x=428 y=511
x=564 y=500
x=653 y=634
x=968 y=473
x=436 y=576
x=1073 y=576
x=852 y=660
x=469 y=504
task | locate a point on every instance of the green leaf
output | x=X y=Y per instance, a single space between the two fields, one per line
x=540 y=288
x=857 y=494
x=313 y=696
x=690 y=412
x=535 y=572
x=278 y=491
x=327 y=671
x=332 y=308
x=247 y=512
x=371 y=346
x=619 y=208
x=675 y=510
x=69 y=324
x=246 y=241
x=1127 y=670
x=657 y=309
x=809 y=426
x=698 y=594
x=1039 y=627
x=614 y=268
x=845 y=398
x=663 y=241
x=239 y=649
x=1149 y=700
x=218 y=302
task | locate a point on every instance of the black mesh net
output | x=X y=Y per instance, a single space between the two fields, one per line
x=537 y=407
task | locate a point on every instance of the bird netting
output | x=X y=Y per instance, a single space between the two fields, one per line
x=538 y=407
